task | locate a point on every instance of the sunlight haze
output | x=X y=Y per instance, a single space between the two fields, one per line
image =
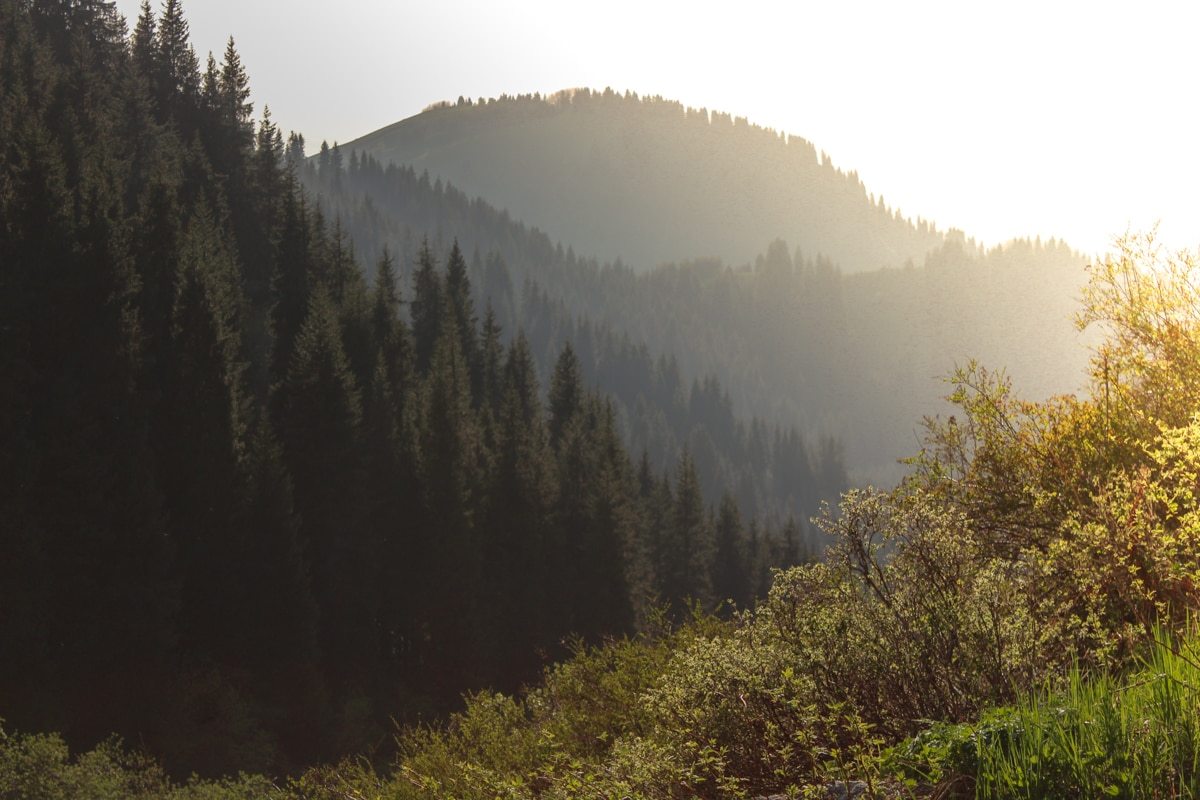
x=1019 y=119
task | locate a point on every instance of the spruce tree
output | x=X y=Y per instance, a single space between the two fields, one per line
x=292 y=281
x=730 y=577
x=426 y=309
x=177 y=72
x=450 y=460
x=566 y=393
x=790 y=547
x=394 y=506
x=276 y=638
x=685 y=554
x=321 y=417
x=295 y=152
x=143 y=43
x=201 y=435
x=82 y=469
x=491 y=353
x=597 y=519
x=522 y=554
x=461 y=311
x=210 y=95
x=236 y=108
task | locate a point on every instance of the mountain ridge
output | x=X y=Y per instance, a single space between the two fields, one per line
x=646 y=180
x=795 y=339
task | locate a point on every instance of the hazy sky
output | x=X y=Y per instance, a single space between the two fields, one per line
x=1069 y=119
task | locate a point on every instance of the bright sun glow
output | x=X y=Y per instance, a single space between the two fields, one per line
x=1071 y=120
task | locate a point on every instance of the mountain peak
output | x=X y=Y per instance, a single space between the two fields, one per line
x=648 y=180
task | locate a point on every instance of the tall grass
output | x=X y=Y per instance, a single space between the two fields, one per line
x=1100 y=736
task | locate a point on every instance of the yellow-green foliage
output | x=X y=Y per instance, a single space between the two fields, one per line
x=40 y=767
x=585 y=726
x=1132 y=557
x=907 y=619
x=1147 y=371
x=1086 y=503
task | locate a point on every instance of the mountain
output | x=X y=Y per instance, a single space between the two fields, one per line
x=647 y=180
x=793 y=337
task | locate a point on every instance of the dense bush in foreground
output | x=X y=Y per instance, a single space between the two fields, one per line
x=1135 y=736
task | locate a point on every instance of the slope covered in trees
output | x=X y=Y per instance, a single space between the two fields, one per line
x=253 y=512
x=1015 y=620
x=648 y=180
x=793 y=339
x=530 y=285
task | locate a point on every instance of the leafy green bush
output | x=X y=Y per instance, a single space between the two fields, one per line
x=40 y=767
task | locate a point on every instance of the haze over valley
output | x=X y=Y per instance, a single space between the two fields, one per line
x=813 y=305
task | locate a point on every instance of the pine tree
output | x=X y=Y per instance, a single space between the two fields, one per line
x=321 y=418
x=295 y=152
x=143 y=43
x=461 y=311
x=491 y=352
x=260 y=212
x=292 y=283
x=426 y=309
x=566 y=393
x=685 y=553
x=156 y=246
x=790 y=547
x=388 y=331
x=278 y=617
x=394 y=508
x=338 y=270
x=201 y=435
x=336 y=167
x=323 y=163
x=177 y=79
x=210 y=94
x=521 y=555
x=236 y=108
x=597 y=518
x=760 y=561
x=450 y=461
x=730 y=578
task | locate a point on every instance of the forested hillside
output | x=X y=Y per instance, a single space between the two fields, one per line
x=1015 y=620
x=556 y=298
x=647 y=180
x=851 y=359
x=252 y=511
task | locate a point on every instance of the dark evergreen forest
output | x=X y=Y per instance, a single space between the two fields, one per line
x=259 y=501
